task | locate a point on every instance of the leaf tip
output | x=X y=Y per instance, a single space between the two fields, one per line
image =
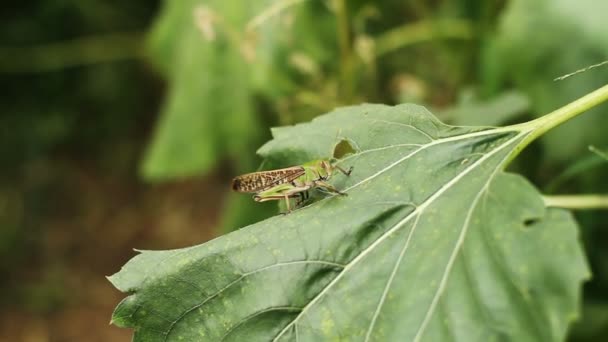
x=112 y=279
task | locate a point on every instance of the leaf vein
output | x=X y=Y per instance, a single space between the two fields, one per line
x=423 y=147
x=412 y=127
x=421 y=207
x=244 y=320
x=459 y=242
x=390 y=279
x=241 y=277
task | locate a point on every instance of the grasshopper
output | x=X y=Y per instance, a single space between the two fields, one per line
x=291 y=182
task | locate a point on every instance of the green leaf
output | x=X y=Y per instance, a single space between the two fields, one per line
x=214 y=79
x=209 y=111
x=578 y=167
x=496 y=111
x=600 y=153
x=433 y=242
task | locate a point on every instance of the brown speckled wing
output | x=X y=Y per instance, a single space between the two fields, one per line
x=263 y=180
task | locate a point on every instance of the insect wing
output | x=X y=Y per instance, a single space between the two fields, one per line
x=263 y=180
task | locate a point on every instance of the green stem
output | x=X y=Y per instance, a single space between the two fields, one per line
x=270 y=12
x=344 y=44
x=423 y=31
x=580 y=202
x=540 y=126
x=543 y=124
x=599 y=153
x=77 y=52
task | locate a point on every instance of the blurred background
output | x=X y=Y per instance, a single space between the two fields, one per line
x=123 y=122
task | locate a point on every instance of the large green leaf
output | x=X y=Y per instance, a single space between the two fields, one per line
x=434 y=242
x=209 y=111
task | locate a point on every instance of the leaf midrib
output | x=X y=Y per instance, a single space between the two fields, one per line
x=241 y=277
x=394 y=228
x=460 y=241
x=416 y=211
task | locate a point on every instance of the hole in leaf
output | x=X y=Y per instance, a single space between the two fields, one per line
x=343 y=148
x=530 y=222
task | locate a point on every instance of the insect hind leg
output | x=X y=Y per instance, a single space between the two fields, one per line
x=283 y=194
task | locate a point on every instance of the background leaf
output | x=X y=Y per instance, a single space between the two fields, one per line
x=494 y=112
x=217 y=74
x=208 y=113
x=584 y=164
x=559 y=37
x=432 y=236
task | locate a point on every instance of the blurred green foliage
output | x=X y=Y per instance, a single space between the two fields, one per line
x=233 y=69
x=208 y=113
x=540 y=40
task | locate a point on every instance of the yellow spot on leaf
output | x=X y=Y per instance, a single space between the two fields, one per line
x=327 y=325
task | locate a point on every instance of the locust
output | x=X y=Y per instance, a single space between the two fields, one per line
x=291 y=182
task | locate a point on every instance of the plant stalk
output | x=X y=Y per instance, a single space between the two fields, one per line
x=83 y=51
x=344 y=44
x=542 y=125
x=577 y=202
x=547 y=122
x=270 y=12
x=423 y=31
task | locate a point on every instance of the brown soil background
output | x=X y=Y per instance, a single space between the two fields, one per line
x=62 y=293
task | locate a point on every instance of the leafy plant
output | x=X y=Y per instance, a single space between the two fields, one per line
x=220 y=59
x=233 y=69
x=199 y=121
x=434 y=241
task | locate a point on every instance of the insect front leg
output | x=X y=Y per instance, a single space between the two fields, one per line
x=350 y=169
x=329 y=188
